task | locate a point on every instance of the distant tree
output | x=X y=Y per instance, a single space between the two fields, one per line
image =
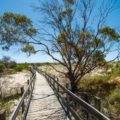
x=73 y=29
x=12 y=64
x=8 y=62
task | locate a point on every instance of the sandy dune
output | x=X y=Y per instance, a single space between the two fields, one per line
x=11 y=84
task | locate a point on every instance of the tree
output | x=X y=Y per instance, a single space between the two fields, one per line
x=81 y=41
x=7 y=62
x=15 y=29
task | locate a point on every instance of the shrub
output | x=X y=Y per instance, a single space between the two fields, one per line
x=2 y=67
x=114 y=100
x=12 y=64
x=20 y=67
x=116 y=70
x=115 y=96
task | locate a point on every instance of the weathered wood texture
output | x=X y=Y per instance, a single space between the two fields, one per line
x=86 y=111
x=44 y=104
x=2 y=115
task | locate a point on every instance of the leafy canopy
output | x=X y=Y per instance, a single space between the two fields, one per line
x=14 y=29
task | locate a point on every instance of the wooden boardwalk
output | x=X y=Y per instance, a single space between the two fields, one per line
x=44 y=104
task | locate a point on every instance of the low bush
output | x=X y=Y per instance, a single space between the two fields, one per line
x=96 y=84
x=115 y=96
x=114 y=100
x=18 y=68
x=2 y=67
x=12 y=64
x=21 y=67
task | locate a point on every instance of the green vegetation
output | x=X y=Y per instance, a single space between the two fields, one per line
x=6 y=65
x=9 y=66
x=106 y=86
x=21 y=67
x=81 y=50
x=73 y=38
x=46 y=63
x=2 y=67
x=7 y=103
x=114 y=100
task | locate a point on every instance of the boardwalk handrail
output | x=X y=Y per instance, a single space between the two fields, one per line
x=91 y=112
x=27 y=92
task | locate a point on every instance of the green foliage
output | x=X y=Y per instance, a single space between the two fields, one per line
x=97 y=85
x=105 y=87
x=99 y=58
x=16 y=19
x=15 y=29
x=114 y=100
x=85 y=35
x=2 y=67
x=115 y=96
x=12 y=64
x=7 y=103
x=18 y=68
x=21 y=67
x=31 y=31
x=65 y=13
x=115 y=70
x=28 y=49
x=70 y=1
x=7 y=62
x=102 y=82
x=107 y=31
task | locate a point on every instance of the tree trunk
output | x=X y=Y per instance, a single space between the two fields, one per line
x=72 y=82
x=73 y=87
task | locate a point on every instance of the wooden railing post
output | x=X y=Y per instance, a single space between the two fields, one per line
x=50 y=82
x=23 y=106
x=98 y=103
x=68 y=101
x=54 y=81
x=57 y=85
x=57 y=88
x=88 y=115
x=22 y=90
x=2 y=115
x=28 y=82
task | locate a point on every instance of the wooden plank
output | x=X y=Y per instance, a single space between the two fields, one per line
x=44 y=104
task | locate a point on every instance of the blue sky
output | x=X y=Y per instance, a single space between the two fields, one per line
x=24 y=7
